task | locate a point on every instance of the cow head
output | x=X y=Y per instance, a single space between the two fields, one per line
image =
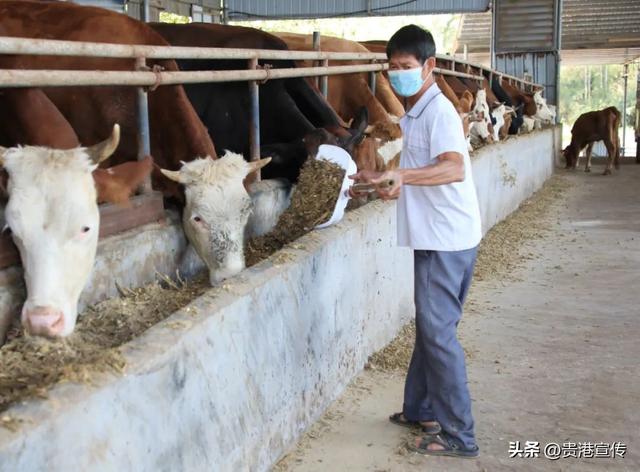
x=543 y=112
x=479 y=130
x=52 y=213
x=499 y=113
x=570 y=154
x=217 y=210
x=482 y=128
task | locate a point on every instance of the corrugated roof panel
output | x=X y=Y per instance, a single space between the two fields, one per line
x=279 y=9
x=525 y=25
x=586 y=24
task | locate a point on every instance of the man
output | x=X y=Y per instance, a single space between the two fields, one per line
x=439 y=218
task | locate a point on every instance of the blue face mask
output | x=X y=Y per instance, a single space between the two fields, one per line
x=407 y=82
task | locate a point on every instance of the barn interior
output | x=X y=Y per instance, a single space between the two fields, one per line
x=295 y=363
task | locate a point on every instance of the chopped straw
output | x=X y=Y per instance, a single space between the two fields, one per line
x=30 y=366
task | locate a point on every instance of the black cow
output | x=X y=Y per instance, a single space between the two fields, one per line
x=504 y=97
x=290 y=109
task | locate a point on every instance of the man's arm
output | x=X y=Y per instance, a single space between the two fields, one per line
x=448 y=169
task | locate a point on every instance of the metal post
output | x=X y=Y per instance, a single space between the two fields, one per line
x=144 y=139
x=316 y=47
x=372 y=80
x=324 y=80
x=254 y=131
x=625 y=75
x=492 y=45
x=637 y=123
x=145 y=11
x=558 y=48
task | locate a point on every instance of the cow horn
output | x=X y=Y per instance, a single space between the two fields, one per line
x=369 y=129
x=2 y=151
x=259 y=164
x=101 y=151
x=172 y=175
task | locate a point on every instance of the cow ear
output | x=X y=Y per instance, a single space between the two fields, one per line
x=257 y=165
x=103 y=150
x=172 y=175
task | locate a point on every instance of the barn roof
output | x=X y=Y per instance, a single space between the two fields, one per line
x=593 y=32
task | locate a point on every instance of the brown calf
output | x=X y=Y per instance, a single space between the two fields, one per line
x=591 y=127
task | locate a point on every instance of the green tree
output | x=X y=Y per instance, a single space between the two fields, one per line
x=588 y=88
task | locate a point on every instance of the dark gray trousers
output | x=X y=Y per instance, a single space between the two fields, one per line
x=436 y=385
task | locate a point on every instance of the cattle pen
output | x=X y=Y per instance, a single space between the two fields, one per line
x=246 y=361
x=148 y=207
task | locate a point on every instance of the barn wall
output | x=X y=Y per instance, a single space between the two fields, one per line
x=540 y=67
x=508 y=172
x=230 y=382
x=525 y=39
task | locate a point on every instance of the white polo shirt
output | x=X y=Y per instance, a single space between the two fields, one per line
x=440 y=217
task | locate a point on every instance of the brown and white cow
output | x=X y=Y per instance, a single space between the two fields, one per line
x=177 y=134
x=591 y=127
x=52 y=213
x=349 y=92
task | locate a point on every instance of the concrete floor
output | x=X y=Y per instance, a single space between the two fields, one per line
x=553 y=353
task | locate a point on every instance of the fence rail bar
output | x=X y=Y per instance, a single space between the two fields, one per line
x=65 y=78
x=55 y=47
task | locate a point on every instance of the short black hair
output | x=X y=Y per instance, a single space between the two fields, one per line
x=412 y=39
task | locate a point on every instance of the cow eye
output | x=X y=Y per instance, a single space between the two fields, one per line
x=85 y=229
x=197 y=219
x=7 y=230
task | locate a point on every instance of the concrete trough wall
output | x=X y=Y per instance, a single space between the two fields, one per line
x=231 y=381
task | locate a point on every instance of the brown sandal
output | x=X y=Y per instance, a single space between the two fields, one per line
x=431 y=427
x=450 y=447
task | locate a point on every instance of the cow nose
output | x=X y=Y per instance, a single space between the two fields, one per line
x=44 y=321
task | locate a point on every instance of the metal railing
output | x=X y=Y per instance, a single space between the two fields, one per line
x=143 y=77
x=149 y=207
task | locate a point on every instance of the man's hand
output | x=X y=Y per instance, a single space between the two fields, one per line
x=375 y=178
x=365 y=177
x=389 y=193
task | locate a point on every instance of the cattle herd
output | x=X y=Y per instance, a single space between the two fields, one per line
x=54 y=185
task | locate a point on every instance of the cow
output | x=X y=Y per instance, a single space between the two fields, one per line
x=534 y=105
x=482 y=132
x=290 y=109
x=528 y=124
x=591 y=127
x=177 y=134
x=216 y=233
x=348 y=93
x=501 y=114
x=507 y=116
x=346 y=96
x=503 y=97
x=52 y=214
x=463 y=105
x=28 y=117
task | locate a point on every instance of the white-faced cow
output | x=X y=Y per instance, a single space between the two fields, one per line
x=53 y=216
x=218 y=209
